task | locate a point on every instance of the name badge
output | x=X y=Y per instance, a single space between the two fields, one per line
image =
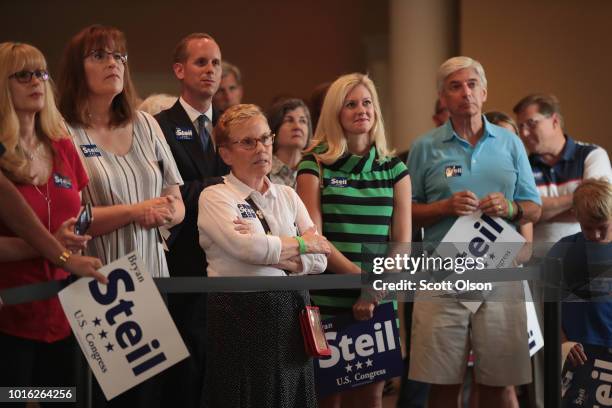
x=453 y=171
x=183 y=134
x=90 y=150
x=61 y=181
x=246 y=211
x=538 y=175
x=338 y=182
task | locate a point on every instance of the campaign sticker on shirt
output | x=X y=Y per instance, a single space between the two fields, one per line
x=90 y=150
x=453 y=171
x=61 y=181
x=338 y=182
x=183 y=134
x=538 y=175
x=246 y=211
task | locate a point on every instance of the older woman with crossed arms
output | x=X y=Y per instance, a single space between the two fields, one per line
x=252 y=227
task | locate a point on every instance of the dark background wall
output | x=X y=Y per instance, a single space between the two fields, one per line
x=288 y=47
x=281 y=47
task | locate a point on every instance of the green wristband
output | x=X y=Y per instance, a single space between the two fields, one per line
x=510 y=209
x=301 y=244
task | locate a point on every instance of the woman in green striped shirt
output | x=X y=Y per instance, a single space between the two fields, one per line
x=357 y=194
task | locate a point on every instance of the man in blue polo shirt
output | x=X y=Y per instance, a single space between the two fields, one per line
x=464 y=166
x=559 y=165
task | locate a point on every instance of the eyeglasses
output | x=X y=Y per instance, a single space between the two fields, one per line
x=531 y=123
x=250 y=143
x=24 y=77
x=101 y=55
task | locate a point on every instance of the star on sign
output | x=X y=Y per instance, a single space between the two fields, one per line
x=349 y=367
x=102 y=334
x=359 y=365
x=96 y=321
x=492 y=255
x=369 y=363
x=109 y=347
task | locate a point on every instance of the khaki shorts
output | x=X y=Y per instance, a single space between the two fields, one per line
x=443 y=332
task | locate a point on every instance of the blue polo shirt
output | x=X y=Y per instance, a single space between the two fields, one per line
x=583 y=321
x=441 y=163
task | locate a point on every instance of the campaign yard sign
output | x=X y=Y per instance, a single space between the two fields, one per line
x=589 y=385
x=479 y=236
x=363 y=352
x=124 y=328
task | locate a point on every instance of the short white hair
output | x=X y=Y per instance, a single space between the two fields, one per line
x=156 y=103
x=454 y=64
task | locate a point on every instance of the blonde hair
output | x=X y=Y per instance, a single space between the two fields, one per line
x=329 y=131
x=593 y=198
x=156 y=103
x=233 y=116
x=15 y=57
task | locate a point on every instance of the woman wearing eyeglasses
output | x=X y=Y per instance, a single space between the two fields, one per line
x=252 y=227
x=134 y=184
x=35 y=337
x=356 y=193
x=134 y=181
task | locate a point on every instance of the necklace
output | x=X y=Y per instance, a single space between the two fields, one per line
x=32 y=154
x=47 y=199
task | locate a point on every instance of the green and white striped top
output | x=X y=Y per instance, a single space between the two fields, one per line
x=357 y=209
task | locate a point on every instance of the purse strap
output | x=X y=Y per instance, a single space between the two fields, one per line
x=259 y=215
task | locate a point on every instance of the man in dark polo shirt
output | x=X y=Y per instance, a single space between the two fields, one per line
x=559 y=165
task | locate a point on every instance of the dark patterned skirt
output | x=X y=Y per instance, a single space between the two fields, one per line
x=255 y=351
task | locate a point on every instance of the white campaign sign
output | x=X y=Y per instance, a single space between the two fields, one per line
x=471 y=236
x=535 y=339
x=124 y=328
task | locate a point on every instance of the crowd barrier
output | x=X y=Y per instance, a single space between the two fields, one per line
x=548 y=274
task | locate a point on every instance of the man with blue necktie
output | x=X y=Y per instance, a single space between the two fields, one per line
x=187 y=127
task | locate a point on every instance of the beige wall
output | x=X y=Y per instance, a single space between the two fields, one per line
x=556 y=46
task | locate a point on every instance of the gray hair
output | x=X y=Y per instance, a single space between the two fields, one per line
x=454 y=64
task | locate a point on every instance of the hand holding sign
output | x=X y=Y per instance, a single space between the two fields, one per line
x=461 y=203
x=495 y=205
x=85 y=266
x=576 y=355
x=363 y=309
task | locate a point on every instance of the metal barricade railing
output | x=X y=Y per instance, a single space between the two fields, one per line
x=549 y=273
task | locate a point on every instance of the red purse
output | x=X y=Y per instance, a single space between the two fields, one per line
x=315 y=342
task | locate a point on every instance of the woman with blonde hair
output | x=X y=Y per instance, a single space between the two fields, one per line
x=35 y=337
x=357 y=193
